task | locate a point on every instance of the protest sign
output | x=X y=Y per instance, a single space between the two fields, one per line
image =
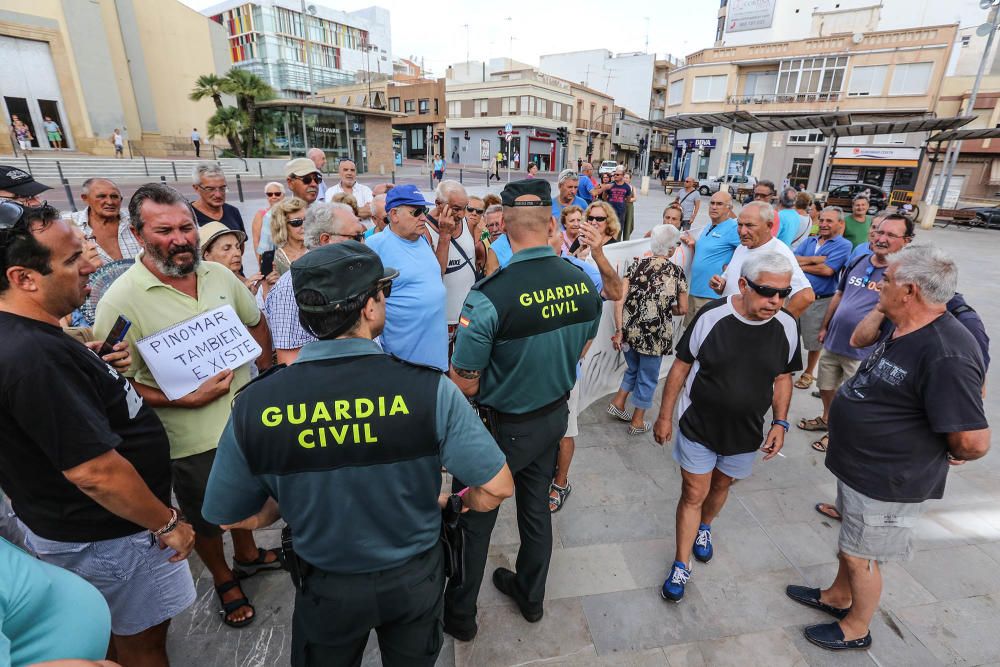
x=183 y=356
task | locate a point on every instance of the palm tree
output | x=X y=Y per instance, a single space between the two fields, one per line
x=228 y=122
x=248 y=89
x=208 y=85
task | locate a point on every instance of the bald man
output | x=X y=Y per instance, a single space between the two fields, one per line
x=319 y=159
x=104 y=220
x=713 y=248
x=348 y=184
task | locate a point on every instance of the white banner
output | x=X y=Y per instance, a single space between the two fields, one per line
x=183 y=356
x=749 y=15
x=603 y=367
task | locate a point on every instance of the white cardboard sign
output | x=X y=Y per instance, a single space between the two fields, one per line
x=183 y=356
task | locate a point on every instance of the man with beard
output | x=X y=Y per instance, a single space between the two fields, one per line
x=167 y=285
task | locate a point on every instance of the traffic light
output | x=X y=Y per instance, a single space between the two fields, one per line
x=562 y=136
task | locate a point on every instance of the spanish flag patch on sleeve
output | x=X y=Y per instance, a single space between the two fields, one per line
x=464 y=321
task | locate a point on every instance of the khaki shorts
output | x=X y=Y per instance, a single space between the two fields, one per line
x=695 y=303
x=875 y=529
x=834 y=369
x=810 y=323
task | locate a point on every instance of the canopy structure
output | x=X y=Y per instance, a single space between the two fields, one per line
x=690 y=120
x=961 y=135
x=793 y=123
x=898 y=126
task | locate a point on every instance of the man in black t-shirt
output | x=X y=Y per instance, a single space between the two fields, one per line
x=733 y=363
x=210 y=206
x=913 y=408
x=85 y=463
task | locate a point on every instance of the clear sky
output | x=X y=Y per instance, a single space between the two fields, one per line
x=436 y=31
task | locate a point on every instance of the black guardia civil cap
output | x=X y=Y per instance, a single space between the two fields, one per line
x=338 y=272
x=529 y=186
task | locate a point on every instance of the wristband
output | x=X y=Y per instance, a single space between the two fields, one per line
x=782 y=423
x=174 y=520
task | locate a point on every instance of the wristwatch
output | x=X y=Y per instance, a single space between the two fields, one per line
x=782 y=423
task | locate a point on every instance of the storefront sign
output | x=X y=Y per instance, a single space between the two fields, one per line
x=873 y=153
x=749 y=15
x=484 y=150
x=693 y=144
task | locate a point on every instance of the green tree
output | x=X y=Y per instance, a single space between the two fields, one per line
x=211 y=85
x=228 y=122
x=249 y=89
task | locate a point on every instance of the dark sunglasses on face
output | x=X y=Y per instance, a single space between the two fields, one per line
x=596 y=218
x=471 y=209
x=10 y=213
x=273 y=194
x=296 y=222
x=360 y=238
x=761 y=195
x=767 y=291
x=310 y=179
x=417 y=211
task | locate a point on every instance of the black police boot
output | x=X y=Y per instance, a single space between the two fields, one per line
x=463 y=632
x=505 y=582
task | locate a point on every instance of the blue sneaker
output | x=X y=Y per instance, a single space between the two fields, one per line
x=703 y=544
x=673 y=587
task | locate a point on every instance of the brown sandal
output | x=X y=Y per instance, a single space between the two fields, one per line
x=805 y=381
x=821 y=444
x=814 y=424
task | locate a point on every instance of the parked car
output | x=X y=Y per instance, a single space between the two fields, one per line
x=607 y=167
x=843 y=196
x=986 y=216
x=709 y=186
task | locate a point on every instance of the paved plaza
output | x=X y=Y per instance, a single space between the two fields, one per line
x=614 y=543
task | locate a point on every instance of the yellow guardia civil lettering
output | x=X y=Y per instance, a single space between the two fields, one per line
x=563 y=296
x=323 y=412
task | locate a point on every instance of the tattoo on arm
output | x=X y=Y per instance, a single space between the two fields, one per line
x=468 y=375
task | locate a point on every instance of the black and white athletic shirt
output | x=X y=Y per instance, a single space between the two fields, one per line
x=731 y=384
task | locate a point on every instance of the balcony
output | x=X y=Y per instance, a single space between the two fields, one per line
x=806 y=98
x=584 y=126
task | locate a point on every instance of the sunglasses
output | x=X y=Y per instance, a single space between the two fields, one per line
x=868 y=275
x=384 y=287
x=272 y=194
x=360 y=238
x=596 y=218
x=479 y=211
x=767 y=292
x=10 y=213
x=310 y=179
x=418 y=211
x=295 y=222
x=761 y=195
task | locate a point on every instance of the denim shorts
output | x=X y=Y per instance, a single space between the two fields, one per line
x=875 y=529
x=698 y=459
x=141 y=586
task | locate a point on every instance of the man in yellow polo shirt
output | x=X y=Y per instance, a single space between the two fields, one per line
x=169 y=284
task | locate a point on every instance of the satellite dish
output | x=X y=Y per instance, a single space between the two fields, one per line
x=984 y=30
x=985 y=4
x=858 y=37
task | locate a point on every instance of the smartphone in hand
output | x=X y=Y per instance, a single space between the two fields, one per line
x=115 y=336
x=267 y=263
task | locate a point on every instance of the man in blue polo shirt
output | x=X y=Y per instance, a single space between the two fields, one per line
x=712 y=251
x=416 y=328
x=586 y=183
x=568 y=183
x=821 y=258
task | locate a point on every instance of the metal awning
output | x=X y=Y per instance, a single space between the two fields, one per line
x=960 y=135
x=690 y=120
x=793 y=123
x=899 y=126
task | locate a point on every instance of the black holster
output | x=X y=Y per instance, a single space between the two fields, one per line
x=490 y=419
x=297 y=568
x=453 y=540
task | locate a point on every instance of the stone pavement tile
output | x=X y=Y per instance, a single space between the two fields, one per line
x=648 y=561
x=957 y=572
x=770 y=648
x=933 y=534
x=893 y=645
x=961 y=524
x=958 y=631
x=262 y=645
x=899 y=588
x=589 y=658
x=615 y=487
x=603 y=433
x=505 y=638
x=652 y=458
x=789 y=504
x=641 y=619
x=805 y=543
x=271 y=594
x=619 y=523
x=793 y=470
x=489 y=596
x=742 y=549
x=590 y=570
x=596 y=460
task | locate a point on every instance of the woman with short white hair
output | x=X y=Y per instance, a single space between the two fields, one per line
x=655 y=290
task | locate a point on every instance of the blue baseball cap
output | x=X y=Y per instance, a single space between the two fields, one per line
x=405 y=195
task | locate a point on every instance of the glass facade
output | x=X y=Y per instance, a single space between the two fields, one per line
x=340 y=134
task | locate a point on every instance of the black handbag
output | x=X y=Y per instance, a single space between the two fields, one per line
x=453 y=540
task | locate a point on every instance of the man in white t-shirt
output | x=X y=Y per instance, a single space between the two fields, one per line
x=451 y=236
x=348 y=184
x=754 y=227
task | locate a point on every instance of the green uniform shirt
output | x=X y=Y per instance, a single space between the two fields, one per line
x=524 y=327
x=153 y=306
x=350 y=443
x=856 y=231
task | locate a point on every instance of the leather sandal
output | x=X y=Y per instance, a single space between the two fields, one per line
x=814 y=424
x=562 y=493
x=805 y=381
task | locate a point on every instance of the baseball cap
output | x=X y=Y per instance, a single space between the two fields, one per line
x=300 y=166
x=405 y=195
x=213 y=230
x=338 y=271
x=529 y=186
x=20 y=182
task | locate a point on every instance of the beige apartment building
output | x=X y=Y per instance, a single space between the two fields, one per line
x=532 y=104
x=876 y=75
x=590 y=134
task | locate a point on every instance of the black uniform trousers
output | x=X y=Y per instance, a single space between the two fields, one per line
x=334 y=614
x=531 y=447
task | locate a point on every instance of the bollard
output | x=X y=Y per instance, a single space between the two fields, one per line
x=145 y=165
x=173 y=165
x=431 y=175
x=59 y=167
x=460 y=176
x=163 y=179
x=260 y=170
x=393 y=176
x=239 y=186
x=27 y=163
x=69 y=194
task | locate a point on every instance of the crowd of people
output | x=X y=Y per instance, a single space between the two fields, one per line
x=384 y=338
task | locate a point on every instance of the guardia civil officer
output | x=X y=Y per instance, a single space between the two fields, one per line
x=521 y=333
x=349 y=443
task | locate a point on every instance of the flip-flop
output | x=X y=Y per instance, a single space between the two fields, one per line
x=830 y=513
x=805 y=381
x=822 y=444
